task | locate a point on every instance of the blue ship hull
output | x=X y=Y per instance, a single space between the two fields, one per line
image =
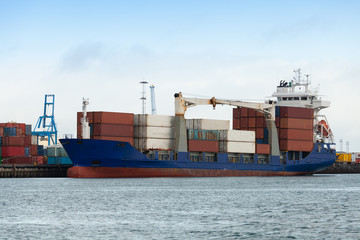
x=102 y=158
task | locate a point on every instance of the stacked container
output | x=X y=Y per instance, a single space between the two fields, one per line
x=203 y=134
x=237 y=141
x=17 y=146
x=296 y=129
x=109 y=126
x=252 y=120
x=57 y=155
x=154 y=132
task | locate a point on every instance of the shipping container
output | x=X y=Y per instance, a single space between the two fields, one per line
x=296 y=134
x=296 y=112
x=203 y=146
x=263 y=148
x=236 y=123
x=58 y=160
x=9 y=132
x=113 y=130
x=120 y=139
x=13 y=141
x=259 y=132
x=154 y=143
x=208 y=124
x=237 y=136
x=40 y=150
x=154 y=132
x=19 y=132
x=260 y=122
x=296 y=123
x=33 y=150
x=34 y=140
x=236 y=113
x=198 y=134
x=27 y=130
x=237 y=147
x=244 y=112
x=27 y=151
x=251 y=122
x=18 y=160
x=1 y=131
x=56 y=151
x=154 y=120
x=296 y=145
x=27 y=141
x=13 y=151
x=251 y=112
x=244 y=124
x=114 y=118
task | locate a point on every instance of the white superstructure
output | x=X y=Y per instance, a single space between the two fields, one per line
x=298 y=93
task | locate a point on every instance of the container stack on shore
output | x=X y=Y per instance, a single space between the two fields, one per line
x=109 y=126
x=17 y=146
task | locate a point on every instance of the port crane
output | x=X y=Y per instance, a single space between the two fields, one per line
x=182 y=104
x=45 y=128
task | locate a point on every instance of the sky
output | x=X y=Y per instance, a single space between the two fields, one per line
x=233 y=49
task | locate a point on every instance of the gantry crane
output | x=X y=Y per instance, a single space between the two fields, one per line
x=45 y=127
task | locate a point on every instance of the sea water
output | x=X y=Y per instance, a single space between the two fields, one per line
x=309 y=207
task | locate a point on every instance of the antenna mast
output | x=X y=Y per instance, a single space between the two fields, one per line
x=143 y=98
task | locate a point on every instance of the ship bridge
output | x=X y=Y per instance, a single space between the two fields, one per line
x=297 y=93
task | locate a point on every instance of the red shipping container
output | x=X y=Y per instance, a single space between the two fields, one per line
x=236 y=113
x=259 y=114
x=114 y=118
x=252 y=129
x=296 y=123
x=13 y=151
x=33 y=150
x=251 y=122
x=296 y=134
x=236 y=123
x=122 y=139
x=203 y=146
x=260 y=122
x=13 y=141
x=295 y=145
x=19 y=132
x=27 y=141
x=251 y=112
x=259 y=133
x=22 y=127
x=296 y=112
x=243 y=112
x=277 y=122
x=262 y=148
x=19 y=160
x=243 y=123
x=38 y=160
x=1 y=131
x=113 y=130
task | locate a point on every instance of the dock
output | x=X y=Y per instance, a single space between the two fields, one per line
x=33 y=171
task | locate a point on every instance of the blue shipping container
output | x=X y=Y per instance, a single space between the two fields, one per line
x=40 y=150
x=277 y=111
x=0 y=141
x=59 y=160
x=27 y=130
x=27 y=152
x=198 y=134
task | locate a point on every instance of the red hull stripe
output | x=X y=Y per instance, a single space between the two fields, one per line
x=120 y=172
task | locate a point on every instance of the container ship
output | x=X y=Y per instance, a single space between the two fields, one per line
x=282 y=136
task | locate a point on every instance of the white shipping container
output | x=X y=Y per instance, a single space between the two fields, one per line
x=154 y=132
x=208 y=124
x=237 y=135
x=153 y=120
x=154 y=143
x=34 y=140
x=236 y=147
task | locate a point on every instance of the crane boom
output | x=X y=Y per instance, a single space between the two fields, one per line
x=181 y=105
